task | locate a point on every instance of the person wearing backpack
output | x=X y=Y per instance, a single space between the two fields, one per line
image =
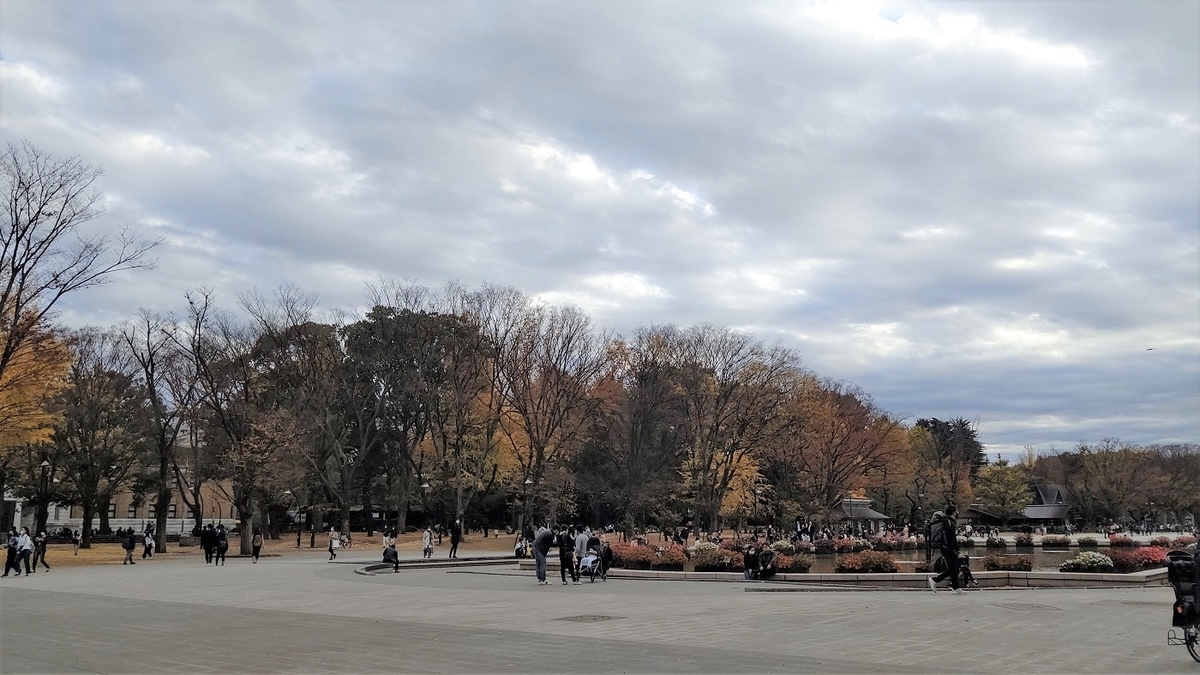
x=128 y=543
x=942 y=536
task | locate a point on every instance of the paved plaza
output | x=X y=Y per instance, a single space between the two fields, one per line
x=302 y=614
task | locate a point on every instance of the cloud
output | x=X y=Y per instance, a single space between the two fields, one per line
x=985 y=209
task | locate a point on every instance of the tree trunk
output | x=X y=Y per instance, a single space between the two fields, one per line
x=86 y=534
x=246 y=525
x=344 y=512
x=366 y=507
x=162 y=503
x=104 y=528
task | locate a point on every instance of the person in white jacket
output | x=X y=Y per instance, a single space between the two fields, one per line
x=24 y=548
x=427 y=543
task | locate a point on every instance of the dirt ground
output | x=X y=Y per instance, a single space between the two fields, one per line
x=113 y=554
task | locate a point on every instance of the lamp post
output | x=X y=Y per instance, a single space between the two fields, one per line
x=524 y=504
x=43 y=513
x=296 y=510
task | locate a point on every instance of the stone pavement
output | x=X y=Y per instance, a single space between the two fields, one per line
x=301 y=614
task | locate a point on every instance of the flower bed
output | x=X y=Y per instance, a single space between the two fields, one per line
x=997 y=542
x=867 y=562
x=716 y=560
x=1056 y=541
x=893 y=542
x=798 y=563
x=1086 y=542
x=1121 y=541
x=1023 y=540
x=1088 y=561
x=966 y=543
x=1008 y=563
x=1183 y=542
x=637 y=556
x=1161 y=542
x=1138 y=559
x=804 y=547
x=783 y=547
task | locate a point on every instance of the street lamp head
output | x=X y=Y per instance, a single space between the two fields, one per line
x=529 y=481
x=287 y=492
x=45 y=464
x=425 y=485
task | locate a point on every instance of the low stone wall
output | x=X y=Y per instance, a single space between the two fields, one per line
x=998 y=579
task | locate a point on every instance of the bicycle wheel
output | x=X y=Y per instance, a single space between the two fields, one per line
x=1191 y=638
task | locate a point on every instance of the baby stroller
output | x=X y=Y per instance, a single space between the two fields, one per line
x=594 y=564
x=1183 y=573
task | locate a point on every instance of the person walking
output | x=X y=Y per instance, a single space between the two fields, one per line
x=335 y=542
x=11 y=548
x=39 y=551
x=566 y=554
x=427 y=543
x=543 y=539
x=75 y=541
x=128 y=543
x=256 y=544
x=222 y=546
x=942 y=535
x=148 y=544
x=208 y=542
x=455 y=537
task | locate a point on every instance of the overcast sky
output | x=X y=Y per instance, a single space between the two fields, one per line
x=981 y=210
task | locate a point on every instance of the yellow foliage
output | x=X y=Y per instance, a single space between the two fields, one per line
x=35 y=374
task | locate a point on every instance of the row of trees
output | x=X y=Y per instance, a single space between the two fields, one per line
x=478 y=404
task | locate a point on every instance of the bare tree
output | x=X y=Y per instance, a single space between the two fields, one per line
x=734 y=388
x=556 y=360
x=171 y=389
x=43 y=253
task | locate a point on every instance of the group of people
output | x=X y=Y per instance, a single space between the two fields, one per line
x=215 y=543
x=20 y=548
x=578 y=550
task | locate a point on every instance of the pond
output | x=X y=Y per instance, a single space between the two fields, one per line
x=1042 y=560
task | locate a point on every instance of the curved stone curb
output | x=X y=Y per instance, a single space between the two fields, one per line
x=371 y=569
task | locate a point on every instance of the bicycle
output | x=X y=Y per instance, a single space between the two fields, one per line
x=346 y=541
x=1183 y=573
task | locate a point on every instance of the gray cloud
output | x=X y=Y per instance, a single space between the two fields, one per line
x=985 y=209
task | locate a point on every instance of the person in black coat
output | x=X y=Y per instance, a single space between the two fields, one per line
x=455 y=537
x=222 y=542
x=208 y=542
x=566 y=554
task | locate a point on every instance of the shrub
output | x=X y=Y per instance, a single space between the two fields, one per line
x=997 y=542
x=801 y=562
x=671 y=556
x=1139 y=559
x=1086 y=542
x=804 y=547
x=823 y=546
x=843 y=545
x=1056 y=541
x=784 y=547
x=1088 y=561
x=860 y=545
x=1161 y=542
x=867 y=562
x=705 y=546
x=1183 y=542
x=881 y=543
x=1008 y=563
x=717 y=560
x=625 y=553
x=1121 y=541
x=966 y=543
x=1024 y=540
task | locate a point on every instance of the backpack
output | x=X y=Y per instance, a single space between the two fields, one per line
x=937 y=533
